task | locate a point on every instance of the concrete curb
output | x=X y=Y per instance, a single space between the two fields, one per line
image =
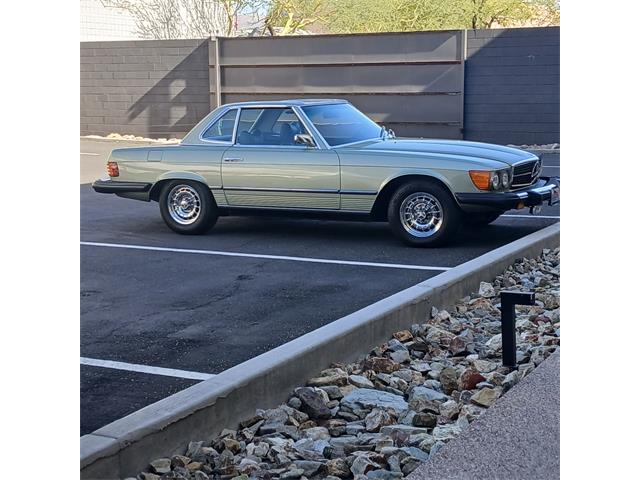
x=200 y=412
x=543 y=150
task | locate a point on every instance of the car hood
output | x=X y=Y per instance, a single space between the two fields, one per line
x=458 y=149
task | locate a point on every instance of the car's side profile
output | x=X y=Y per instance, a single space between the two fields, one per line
x=314 y=156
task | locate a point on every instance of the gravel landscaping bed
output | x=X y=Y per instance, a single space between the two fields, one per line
x=381 y=417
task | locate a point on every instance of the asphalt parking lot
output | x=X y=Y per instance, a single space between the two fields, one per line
x=156 y=319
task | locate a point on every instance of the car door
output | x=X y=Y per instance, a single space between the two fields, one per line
x=266 y=168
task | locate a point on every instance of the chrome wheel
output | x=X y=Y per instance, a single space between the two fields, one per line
x=421 y=214
x=184 y=204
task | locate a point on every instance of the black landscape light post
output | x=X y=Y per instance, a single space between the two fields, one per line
x=508 y=302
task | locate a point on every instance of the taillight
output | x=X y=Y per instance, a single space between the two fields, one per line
x=112 y=169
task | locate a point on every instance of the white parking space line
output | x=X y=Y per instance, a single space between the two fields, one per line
x=268 y=257
x=89 y=153
x=531 y=216
x=133 y=367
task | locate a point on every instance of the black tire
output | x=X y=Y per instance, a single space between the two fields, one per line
x=200 y=213
x=481 y=219
x=450 y=220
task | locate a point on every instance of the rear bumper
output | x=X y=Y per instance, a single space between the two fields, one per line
x=547 y=189
x=111 y=186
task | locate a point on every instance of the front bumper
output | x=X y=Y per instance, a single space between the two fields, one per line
x=112 y=186
x=546 y=189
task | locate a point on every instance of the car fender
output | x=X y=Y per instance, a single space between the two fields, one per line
x=178 y=175
x=423 y=172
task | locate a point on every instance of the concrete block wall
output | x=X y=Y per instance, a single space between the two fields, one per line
x=152 y=88
x=161 y=88
x=512 y=86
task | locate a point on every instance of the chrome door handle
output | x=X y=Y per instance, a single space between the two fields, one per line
x=229 y=159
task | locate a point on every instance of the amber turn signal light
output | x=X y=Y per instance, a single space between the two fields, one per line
x=112 y=169
x=481 y=179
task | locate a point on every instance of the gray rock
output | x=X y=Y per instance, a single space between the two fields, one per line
x=309 y=467
x=310 y=449
x=421 y=366
x=148 y=476
x=247 y=466
x=313 y=403
x=317 y=433
x=332 y=391
x=482 y=385
x=484 y=366
x=436 y=448
x=401 y=356
x=193 y=448
x=396 y=345
x=449 y=380
x=368 y=398
x=425 y=419
x=161 y=465
x=407 y=418
x=495 y=343
x=294 y=402
x=486 y=290
x=421 y=397
x=449 y=409
x=409 y=464
x=331 y=376
x=486 y=397
x=293 y=473
x=406 y=429
x=416 y=453
x=510 y=380
x=353 y=428
x=360 y=381
x=259 y=449
x=376 y=419
x=362 y=464
x=446 y=432
x=338 y=467
x=427 y=443
x=433 y=384
x=384 y=475
x=336 y=427
x=405 y=374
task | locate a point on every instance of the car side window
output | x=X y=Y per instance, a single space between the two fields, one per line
x=268 y=126
x=222 y=129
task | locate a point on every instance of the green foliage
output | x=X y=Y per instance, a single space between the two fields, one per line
x=286 y=17
x=356 y=16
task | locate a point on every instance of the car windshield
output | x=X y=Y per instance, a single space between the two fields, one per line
x=342 y=123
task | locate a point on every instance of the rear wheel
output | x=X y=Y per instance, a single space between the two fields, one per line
x=423 y=214
x=480 y=219
x=187 y=207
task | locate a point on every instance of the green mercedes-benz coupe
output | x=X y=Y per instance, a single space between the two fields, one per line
x=325 y=156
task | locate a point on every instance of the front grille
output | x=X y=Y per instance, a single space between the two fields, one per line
x=524 y=174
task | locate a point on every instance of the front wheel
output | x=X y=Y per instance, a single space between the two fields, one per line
x=424 y=214
x=187 y=207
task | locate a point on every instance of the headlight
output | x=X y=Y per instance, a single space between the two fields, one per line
x=505 y=179
x=495 y=181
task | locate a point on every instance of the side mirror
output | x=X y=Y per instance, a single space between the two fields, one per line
x=304 y=139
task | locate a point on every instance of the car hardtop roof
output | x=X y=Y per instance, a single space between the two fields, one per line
x=300 y=102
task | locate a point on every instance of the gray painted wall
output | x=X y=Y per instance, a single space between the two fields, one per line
x=153 y=88
x=512 y=86
x=410 y=82
x=508 y=91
